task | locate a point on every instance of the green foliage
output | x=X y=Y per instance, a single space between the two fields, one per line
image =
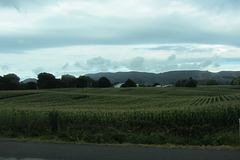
x=195 y=116
x=129 y=83
x=211 y=82
x=47 y=80
x=9 y=82
x=186 y=83
x=81 y=82
x=28 y=86
x=68 y=81
x=236 y=81
x=104 y=82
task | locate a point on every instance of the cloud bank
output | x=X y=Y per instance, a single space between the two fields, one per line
x=81 y=36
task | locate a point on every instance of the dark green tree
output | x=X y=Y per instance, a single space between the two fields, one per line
x=28 y=86
x=81 y=82
x=104 y=82
x=68 y=81
x=129 y=83
x=91 y=82
x=181 y=83
x=47 y=81
x=31 y=85
x=211 y=82
x=236 y=81
x=191 y=83
x=1 y=83
x=9 y=82
x=155 y=84
x=186 y=83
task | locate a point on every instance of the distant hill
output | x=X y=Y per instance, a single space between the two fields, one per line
x=29 y=80
x=223 y=77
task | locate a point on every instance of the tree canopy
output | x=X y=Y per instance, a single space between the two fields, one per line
x=211 y=82
x=129 y=83
x=186 y=83
x=68 y=81
x=104 y=82
x=236 y=81
x=9 y=82
x=47 y=80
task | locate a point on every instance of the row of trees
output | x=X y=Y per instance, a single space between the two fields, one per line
x=193 y=83
x=47 y=81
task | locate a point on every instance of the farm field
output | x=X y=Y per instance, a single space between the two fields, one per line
x=205 y=115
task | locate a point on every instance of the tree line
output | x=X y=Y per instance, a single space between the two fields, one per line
x=48 y=81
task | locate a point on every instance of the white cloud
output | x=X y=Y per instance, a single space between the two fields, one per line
x=78 y=60
x=118 y=35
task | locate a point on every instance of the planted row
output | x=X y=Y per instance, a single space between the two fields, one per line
x=123 y=126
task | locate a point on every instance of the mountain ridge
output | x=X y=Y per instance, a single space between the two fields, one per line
x=147 y=78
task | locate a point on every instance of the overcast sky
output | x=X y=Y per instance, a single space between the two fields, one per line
x=88 y=36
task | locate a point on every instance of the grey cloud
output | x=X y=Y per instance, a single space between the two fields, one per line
x=180 y=48
x=169 y=47
x=186 y=66
x=113 y=31
x=78 y=64
x=162 y=67
x=10 y=3
x=216 y=64
x=171 y=58
x=59 y=31
x=100 y=64
x=65 y=66
x=26 y=4
x=136 y=63
x=216 y=6
x=205 y=63
x=38 y=70
x=4 y=67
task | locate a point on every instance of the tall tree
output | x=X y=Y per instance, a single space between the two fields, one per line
x=46 y=81
x=186 y=83
x=191 y=83
x=211 y=82
x=81 y=82
x=129 y=83
x=9 y=82
x=236 y=81
x=68 y=81
x=104 y=82
x=1 y=83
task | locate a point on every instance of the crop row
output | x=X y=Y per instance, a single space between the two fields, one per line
x=113 y=126
x=213 y=100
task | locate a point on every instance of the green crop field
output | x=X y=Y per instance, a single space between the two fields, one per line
x=205 y=115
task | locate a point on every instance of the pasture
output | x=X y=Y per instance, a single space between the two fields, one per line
x=205 y=115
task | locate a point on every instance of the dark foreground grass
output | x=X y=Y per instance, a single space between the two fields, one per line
x=156 y=116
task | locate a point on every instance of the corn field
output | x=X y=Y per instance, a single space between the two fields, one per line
x=195 y=116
